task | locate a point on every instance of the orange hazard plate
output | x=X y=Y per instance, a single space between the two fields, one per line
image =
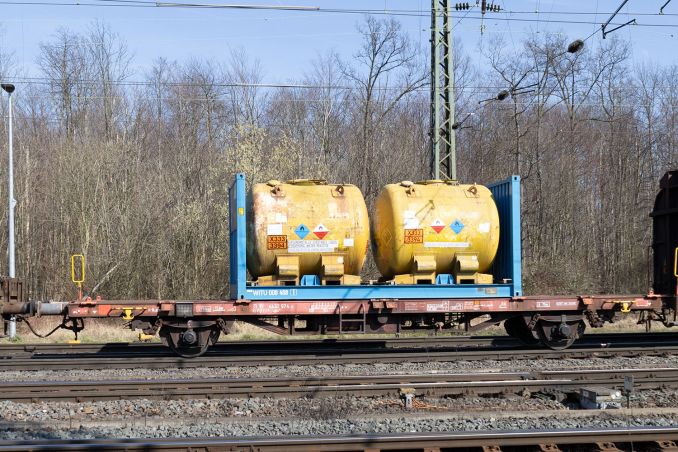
x=276 y=242
x=414 y=236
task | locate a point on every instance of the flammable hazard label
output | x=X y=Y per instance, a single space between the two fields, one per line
x=276 y=242
x=321 y=231
x=438 y=225
x=414 y=236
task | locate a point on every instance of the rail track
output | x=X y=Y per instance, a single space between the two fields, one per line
x=433 y=342
x=484 y=383
x=642 y=438
x=68 y=362
x=327 y=351
x=260 y=346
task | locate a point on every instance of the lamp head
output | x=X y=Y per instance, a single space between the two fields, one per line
x=503 y=94
x=575 y=46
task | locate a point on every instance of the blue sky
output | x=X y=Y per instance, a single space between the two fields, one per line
x=286 y=41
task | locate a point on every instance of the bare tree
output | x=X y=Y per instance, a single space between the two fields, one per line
x=136 y=178
x=386 y=69
x=66 y=64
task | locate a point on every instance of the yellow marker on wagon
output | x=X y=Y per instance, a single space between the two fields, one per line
x=78 y=279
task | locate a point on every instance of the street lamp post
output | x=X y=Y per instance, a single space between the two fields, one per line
x=9 y=88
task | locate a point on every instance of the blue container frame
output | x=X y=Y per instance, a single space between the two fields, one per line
x=506 y=267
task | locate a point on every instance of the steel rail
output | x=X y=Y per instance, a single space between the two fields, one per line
x=391 y=385
x=261 y=345
x=384 y=442
x=301 y=357
x=317 y=345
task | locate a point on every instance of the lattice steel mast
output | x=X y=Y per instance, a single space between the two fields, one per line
x=443 y=142
x=442 y=92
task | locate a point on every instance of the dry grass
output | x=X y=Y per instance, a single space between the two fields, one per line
x=628 y=324
x=246 y=332
x=96 y=330
x=625 y=323
x=113 y=330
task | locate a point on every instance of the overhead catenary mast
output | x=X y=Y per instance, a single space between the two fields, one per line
x=442 y=92
x=443 y=144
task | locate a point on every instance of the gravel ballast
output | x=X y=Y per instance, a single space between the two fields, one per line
x=325 y=370
x=312 y=408
x=217 y=428
x=323 y=416
x=327 y=408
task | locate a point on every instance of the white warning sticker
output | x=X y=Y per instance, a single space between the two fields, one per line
x=333 y=211
x=446 y=244
x=484 y=227
x=412 y=223
x=348 y=242
x=312 y=246
x=274 y=229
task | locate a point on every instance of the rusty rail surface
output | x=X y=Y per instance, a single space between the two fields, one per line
x=646 y=438
x=271 y=346
x=38 y=362
x=484 y=383
x=320 y=345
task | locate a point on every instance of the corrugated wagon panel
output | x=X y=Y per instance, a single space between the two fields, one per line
x=236 y=212
x=665 y=235
x=508 y=263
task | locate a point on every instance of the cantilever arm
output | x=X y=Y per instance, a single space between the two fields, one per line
x=661 y=10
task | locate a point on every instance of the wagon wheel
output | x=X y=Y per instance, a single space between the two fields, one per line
x=559 y=335
x=189 y=342
x=516 y=328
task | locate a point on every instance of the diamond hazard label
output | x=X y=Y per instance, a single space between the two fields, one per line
x=301 y=231
x=457 y=226
x=438 y=225
x=321 y=231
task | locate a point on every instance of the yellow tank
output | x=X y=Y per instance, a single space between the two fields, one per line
x=306 y=227
x=434 y=227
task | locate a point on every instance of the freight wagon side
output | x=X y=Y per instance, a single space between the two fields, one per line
x=665 y=236
x=189 y=327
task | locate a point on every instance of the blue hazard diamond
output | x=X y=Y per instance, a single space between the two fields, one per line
x=302 y=231
x=457 y=226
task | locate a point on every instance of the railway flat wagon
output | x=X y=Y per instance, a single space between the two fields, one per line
x=468 y=291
